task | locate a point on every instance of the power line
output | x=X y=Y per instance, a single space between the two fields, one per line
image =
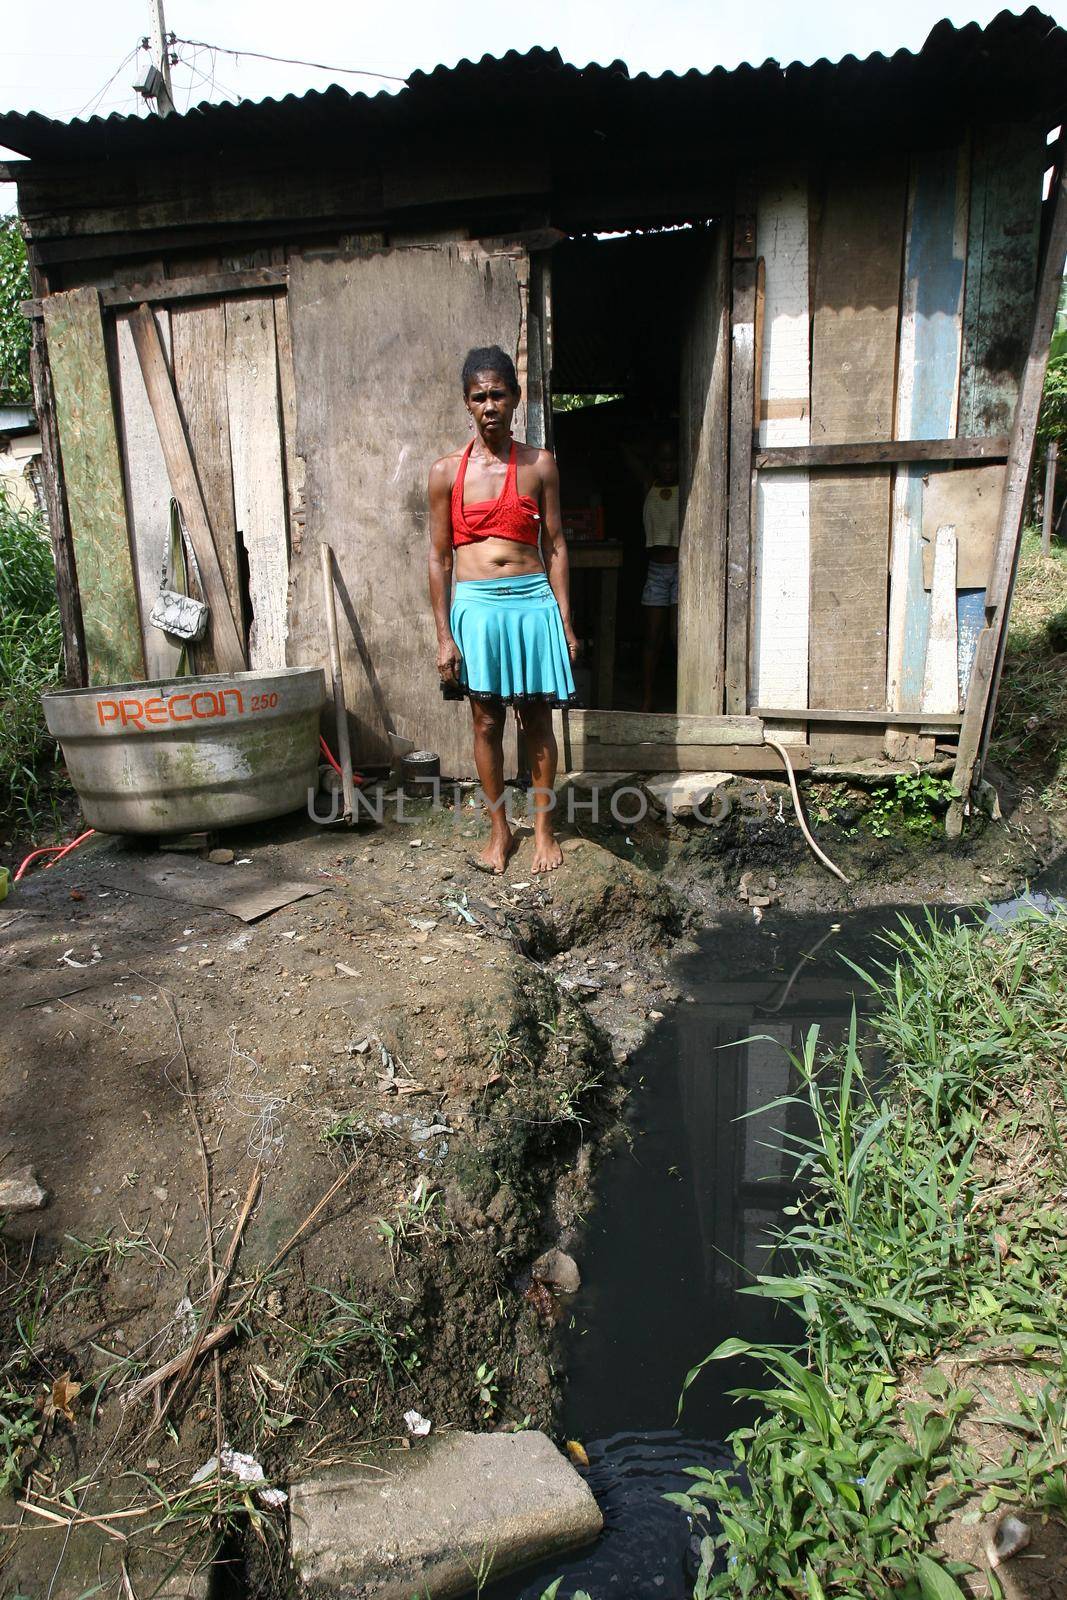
x=99 y=95
x=291 y=61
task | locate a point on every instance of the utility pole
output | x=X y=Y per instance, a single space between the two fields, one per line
x=156 y=85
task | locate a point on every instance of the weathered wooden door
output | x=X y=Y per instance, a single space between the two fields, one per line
x=378 y=343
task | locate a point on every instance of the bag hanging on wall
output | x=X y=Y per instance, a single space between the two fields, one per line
x=175 y=614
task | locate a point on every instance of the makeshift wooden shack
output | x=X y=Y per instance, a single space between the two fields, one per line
x=836 y=282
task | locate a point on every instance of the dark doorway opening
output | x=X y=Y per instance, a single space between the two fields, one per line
x=620 y=308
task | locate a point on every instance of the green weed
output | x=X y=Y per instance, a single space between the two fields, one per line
x=912 y=802
x=894 y=1263
x=30 y=664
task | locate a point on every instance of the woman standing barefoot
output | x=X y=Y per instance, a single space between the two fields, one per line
x=507 y=639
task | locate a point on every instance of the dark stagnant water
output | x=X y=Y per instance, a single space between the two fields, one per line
x=681 y=1225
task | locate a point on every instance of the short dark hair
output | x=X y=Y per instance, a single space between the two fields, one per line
x=490 y=358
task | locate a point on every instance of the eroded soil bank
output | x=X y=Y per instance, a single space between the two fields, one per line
x=441 y=1050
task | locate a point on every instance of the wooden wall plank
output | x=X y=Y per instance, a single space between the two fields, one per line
x=294 y=466
x=75 y=668
x=739 y=515
x=227 y=642
x=396 y=322
x=703 y=463
x=258 y=475
x=853 y=369
x=927 y=394
x=1002 y=246
x=782 y=532
x=147 y=490
x=198 y=336
x=651 y=727
x=92 y=472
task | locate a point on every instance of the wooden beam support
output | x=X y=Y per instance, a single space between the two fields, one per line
x=882 y=453
x=877 y=718
x=204 y=286
x=985 y=673
x=226 y=641
x=739 y=527
x=651 y=727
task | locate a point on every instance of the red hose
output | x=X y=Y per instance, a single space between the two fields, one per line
x=58 y=850
x=357 y=777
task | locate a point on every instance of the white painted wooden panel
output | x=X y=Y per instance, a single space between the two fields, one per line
x=780 y=608
x=258 y=477
x=147 y=490
x=941 y=681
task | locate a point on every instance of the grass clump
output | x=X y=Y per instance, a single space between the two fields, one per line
x=932 y=1235
x=1030 y=731
x=31 y=657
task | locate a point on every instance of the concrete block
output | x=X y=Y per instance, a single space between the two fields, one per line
x=423 y=1521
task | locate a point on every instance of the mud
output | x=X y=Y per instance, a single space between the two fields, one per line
x=452 y=1046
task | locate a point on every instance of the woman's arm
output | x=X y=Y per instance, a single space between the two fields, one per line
x=440 y=501
x=554 y=547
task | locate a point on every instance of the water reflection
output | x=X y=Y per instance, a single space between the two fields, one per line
x=683 y=1222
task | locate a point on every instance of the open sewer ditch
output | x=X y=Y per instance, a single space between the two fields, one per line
x=681 y=1224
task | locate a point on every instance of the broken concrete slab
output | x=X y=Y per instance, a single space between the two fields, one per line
x=682 y=794
x=20 y=1191
x=422 y=1521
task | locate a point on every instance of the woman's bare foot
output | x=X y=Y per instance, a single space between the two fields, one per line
x=497 y=853
x=547 y=854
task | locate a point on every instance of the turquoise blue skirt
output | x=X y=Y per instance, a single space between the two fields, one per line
x=510 y=635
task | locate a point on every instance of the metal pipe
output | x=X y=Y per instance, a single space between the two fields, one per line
x=344 y=747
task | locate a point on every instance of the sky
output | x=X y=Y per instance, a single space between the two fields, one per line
x=75 y=64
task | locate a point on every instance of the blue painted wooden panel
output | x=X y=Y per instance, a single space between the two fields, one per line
x=970 y=619
x=927 y=389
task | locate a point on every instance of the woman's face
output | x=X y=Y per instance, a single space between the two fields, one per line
x=492 y=405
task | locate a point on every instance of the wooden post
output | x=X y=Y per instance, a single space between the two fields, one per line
x=344 y=743
x=985 y=671
x=1050 y=495
x=739 y=526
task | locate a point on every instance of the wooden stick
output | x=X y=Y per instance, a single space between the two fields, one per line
x=69 y=1522
x=222 y=1277
x=1050 y=496
x=344 y=747
x=185 y=486
x=985 y=670
x=152 y=1380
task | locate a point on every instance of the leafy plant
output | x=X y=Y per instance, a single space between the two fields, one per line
x=487 y=1389
x=912 y=802
x=14 y=327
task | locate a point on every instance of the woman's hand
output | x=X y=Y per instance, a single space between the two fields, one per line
x=573 y=645
x=448 y=661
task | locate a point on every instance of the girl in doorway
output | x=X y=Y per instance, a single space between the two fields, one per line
x=660 y=595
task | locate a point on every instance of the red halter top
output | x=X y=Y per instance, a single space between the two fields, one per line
x=512 y=516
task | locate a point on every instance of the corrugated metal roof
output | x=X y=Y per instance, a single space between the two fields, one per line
x=1017 y=65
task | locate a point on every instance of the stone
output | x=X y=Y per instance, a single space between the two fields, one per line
x=20 y=1191
x=423 y=1524
x=220 y=857
x=682 y=794
x=559 y=1271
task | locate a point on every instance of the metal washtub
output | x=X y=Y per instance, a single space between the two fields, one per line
x=181 y=754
